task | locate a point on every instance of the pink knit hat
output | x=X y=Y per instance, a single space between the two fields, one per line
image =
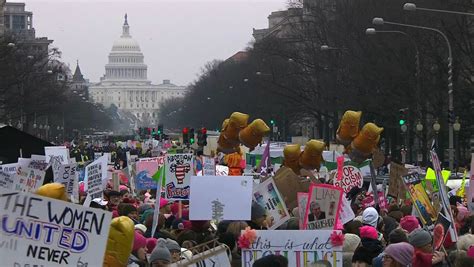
x=163 y=202
x=470 y=251
x=151 y=244
x=368 y=232
x=138 y=242
x=409 y=223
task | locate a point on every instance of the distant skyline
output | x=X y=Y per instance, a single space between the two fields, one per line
x=177 y=37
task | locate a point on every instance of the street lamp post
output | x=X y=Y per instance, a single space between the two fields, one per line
x=419 y=130
x=457 y=128
x=413 y=7
x=436 y=128
x=380 y=21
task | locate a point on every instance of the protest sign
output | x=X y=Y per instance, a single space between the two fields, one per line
x=419 y=198
x=28 y=180
x=470 y=188
x=443 y=194
x=68 y=176
x=208 y=166
x=38 y=162
x=41 y=231
x=396 y=186
x=6 y=180
x=266 y=195
x=351 y=177
x=208 y=201
x=179 y=169
x=346 y=214
x=300 y=247
x=324 y=205
x=60 y=152
x=216 y=256
x=289 y=184
x=160 y=160
x=96 y=174
x=146 y=170
x=222 y=170
x=302 y=202
x=9 y=168
x=440 y=231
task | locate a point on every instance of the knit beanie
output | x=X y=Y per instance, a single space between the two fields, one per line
x=409 y=223
x=257 y=211
x=370 y=217
x=463 y=213
x=143 y=208
x=465 y=241
x=151 y=244
x=419 y=238
x=160 y=252
x=368 y=232
x=172 y=245
x=145 y=215
x=351 y=242
x=140 y=227
x=163 y=202
x=397 y=236
x=401 y=252
x=390 y=225
x=139 y=241
x=126 y=208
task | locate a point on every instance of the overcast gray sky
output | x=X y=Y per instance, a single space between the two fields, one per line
x=177 y=37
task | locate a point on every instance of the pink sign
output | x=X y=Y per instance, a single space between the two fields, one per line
x=323 y=207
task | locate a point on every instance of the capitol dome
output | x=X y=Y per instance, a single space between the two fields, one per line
x=126 y=61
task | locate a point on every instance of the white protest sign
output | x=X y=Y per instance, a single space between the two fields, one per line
x=68 y=177
x=351 y=177
x=470 y=189
x=160 y=160
x=300 y=247
x=266 y=195
x=9 y=168
x=216 y=256
x=302 y=202
x=6 y=180
x=96 y=174
x=41 y=231
x=346 y=214
x=208 y=166
x=222 y=170
x=38 y=162
x=209 y=201
x=179 y=169
x=55 y=156
x=28 y=179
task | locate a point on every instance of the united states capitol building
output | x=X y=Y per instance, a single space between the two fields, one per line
x=126 y=86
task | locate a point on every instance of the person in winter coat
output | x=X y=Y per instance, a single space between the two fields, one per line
x=424 y=256
x=398 y=255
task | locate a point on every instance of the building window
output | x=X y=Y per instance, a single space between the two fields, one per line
x=119 y=98
x=18 y=22
x=119 y=105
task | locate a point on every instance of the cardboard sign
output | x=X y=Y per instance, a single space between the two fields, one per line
x=209 y=201
x=145 y=172
x=266 y=195
x=6 y=180
x=179 y=169
x=470 y=189
x=41 y=231
x=68 y=176
x=289 y=184
x=324 y=205
x=420 y=199
x=300 y=247
x=28 y=180
x=96 y=176
x=208 y=166
x=396 y=186
x=302 y=202
x=351 y=177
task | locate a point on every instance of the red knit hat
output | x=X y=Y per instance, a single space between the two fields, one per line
x=409 y=223
x=138 y=242
x=368 y=232
x=151 y=244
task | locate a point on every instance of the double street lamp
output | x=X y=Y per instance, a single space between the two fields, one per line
x=381 y=21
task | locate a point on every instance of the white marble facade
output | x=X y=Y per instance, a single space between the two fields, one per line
x=125 y=83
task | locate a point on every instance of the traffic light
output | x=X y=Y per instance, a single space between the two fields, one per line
x=160 y=129
x=185 y=135
x=202 y=137
x=272 y=122
x=402 y=119
x=191 y=135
